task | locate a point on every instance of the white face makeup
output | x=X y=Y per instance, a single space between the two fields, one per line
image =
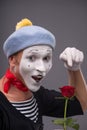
x=35 y=63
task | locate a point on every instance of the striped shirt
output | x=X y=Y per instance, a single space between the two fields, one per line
x=29 y=108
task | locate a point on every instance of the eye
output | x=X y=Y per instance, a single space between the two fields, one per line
x=47 y=58
x=32 y=58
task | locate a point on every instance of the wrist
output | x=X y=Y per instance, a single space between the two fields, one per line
x=75 y=67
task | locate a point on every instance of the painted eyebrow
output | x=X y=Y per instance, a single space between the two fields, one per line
x=35 y=51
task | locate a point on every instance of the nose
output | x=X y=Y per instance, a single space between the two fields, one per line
x=40 y=66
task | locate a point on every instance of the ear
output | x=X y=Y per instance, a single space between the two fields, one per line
x=12 y=60
x=15 y=59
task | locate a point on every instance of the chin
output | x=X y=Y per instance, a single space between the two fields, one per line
x=34 y=89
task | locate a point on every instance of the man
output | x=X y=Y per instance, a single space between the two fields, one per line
x=23 y=101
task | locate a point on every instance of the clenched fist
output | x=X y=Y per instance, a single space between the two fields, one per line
x=72 y=58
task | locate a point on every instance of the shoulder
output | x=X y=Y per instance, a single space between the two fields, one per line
x=45 y=94
x=44 y=90
x=2 y=81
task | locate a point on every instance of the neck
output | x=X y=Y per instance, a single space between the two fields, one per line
x=15 y=94
x=12 y=80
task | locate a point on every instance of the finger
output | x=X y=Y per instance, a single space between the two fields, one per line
x=81 y=58
x=66 y=56
x=62 y=56
x=69 y=57
x=77 y=56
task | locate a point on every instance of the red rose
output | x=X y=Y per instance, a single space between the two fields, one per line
x=67 y=91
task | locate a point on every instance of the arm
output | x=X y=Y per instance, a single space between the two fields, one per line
x=76 y=79
x=73 y=58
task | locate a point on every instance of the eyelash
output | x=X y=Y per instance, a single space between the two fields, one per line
x=47 y=58
x=33 y=58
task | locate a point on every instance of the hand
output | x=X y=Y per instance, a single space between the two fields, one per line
x=72 y=58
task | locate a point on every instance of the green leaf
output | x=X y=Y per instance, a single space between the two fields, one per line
x=76 y=126
x=58 y=122
x=71 y=123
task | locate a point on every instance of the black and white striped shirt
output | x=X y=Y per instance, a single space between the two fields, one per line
x=29 y=108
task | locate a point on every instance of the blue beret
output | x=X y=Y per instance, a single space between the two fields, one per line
x=26 y=37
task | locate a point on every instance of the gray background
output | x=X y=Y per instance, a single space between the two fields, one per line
x=67 y=19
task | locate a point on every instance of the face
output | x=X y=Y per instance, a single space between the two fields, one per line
x=35 y=63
